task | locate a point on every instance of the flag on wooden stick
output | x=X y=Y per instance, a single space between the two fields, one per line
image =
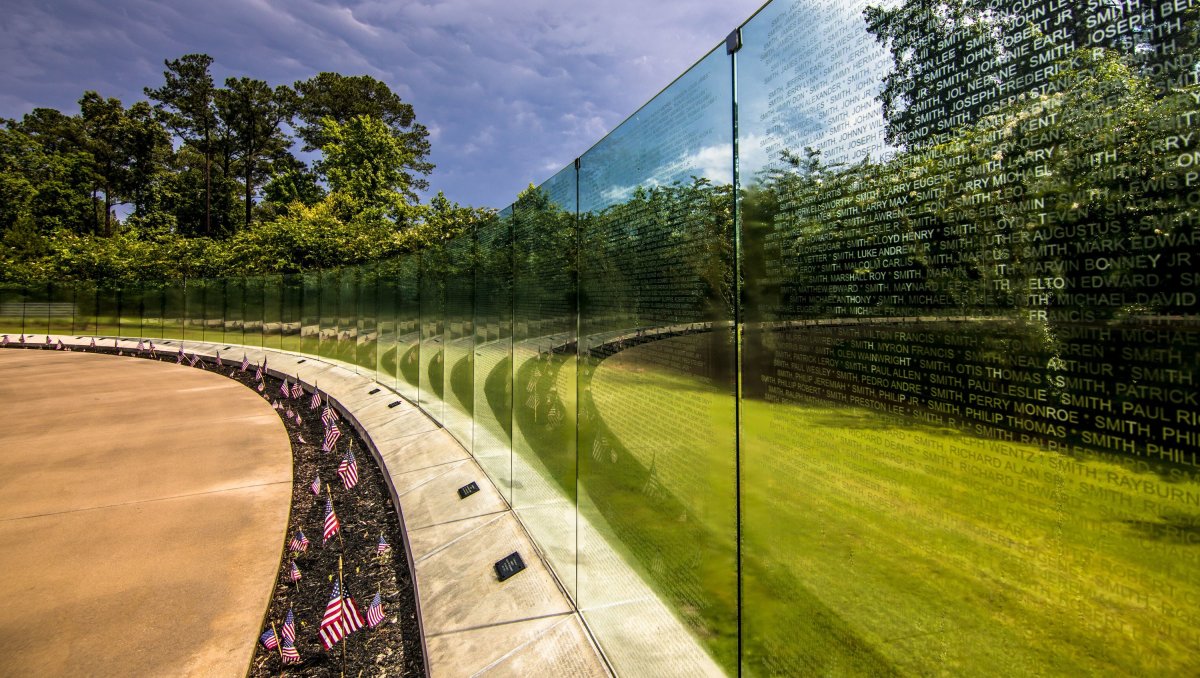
x=331 y=437
x=332 y=526
x=268 y=639
x=331 y=624
x=375 y=612
x=294 y=573
x=348 y=470
x=299 y=542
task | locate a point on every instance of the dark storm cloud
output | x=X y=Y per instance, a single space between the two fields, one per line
x=511 y=90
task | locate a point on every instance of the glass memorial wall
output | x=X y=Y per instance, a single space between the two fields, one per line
x=656 y=388
x=544 y=463
x=868 y=346
x=970 y=293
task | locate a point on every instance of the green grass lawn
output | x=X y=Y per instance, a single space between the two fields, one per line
x=882 y=545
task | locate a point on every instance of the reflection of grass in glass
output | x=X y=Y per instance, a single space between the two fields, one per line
x=499 y=395
x=461 y=384
x=437 y=374
x=387 y=364
x=875 y=545
x=410 y=367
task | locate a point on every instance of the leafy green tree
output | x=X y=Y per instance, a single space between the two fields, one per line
x=366 y=162
x=187 y=101
x=253 y=114
x=342 y=98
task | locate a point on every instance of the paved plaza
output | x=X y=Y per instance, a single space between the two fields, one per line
x=144 y=507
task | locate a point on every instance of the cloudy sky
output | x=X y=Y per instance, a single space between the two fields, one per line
x=511 y=90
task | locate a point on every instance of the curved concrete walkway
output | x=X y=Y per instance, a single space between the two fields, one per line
x=143 y=508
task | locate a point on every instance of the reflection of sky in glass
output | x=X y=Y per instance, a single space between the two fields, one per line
x=560 y=188
x=808 y=76
x=683 y=132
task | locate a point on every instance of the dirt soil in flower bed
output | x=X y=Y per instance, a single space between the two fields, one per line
x=365 y=512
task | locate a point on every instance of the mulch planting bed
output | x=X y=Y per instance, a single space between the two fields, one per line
x=365 y=512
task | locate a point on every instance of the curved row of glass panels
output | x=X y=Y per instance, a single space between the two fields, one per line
x=867 y=348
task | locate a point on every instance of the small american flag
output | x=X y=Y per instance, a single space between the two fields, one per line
x=285 y=389
x=22 y=338
x=299 y=542
x=375 y=612
x=141 y=348
x=193 y=359
x=245 y=363
x=331 y=624
x=153 y=351
x=331 y=437
x=382 y=546
x=4 y=340
x=300 y=439
x=332 y=526
x=315 y=402
x=261 y=387
x=328 y=416
x=348 y=470
x=294 y=573
x=298 y=422
x=179 y=356
x=289 y=414
x=258 y=373
x=61 y=346
x=288 y=631
x=351 y=618
x=219 y=362
x=268 y=639
x=48 y=341
x=288 y=653
x=316 y=485
x=93 y=344
x=297 y=389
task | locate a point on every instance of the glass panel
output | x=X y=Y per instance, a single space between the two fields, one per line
x=493 y=350
x=970 y=332
x=408 y=326
x=543 y=474
x=195 y=293
x=12 y=310
x=657 y=479
x=365 y=351
x=460 y=338
x=174 y=309
x=331 y=296
x=37 y=311
x=61 y=310
x=85 y=303
x=347 y=323
x=131 y=310
x=235 y=309
x=310 y=330
x=433 y=309
x=252 y=313
x=387 y=357
x=214 y=311
x=108 y=310
x=292 y=313
x=152 y=310
x=272 y=311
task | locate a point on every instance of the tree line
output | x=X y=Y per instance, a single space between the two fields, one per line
x=201 y=179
